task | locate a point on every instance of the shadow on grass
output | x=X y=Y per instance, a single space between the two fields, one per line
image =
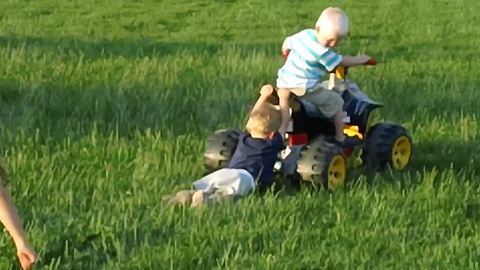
x=411 y=51
x=128 y=48
x=71 y=251
x=428 y=156
x=60 y=112
x=445 y=155
x=74 y=112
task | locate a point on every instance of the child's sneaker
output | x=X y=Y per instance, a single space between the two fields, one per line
x=218 y=195
x=198 y=198
x=183 y=197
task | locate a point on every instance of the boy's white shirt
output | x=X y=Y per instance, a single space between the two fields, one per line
x=236 y=182
x=307 y=62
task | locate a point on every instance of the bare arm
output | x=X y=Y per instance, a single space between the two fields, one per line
x=265 y=92
x=283 y=96
x=350 y=61
x=10 y=219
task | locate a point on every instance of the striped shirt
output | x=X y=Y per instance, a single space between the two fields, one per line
x=307 y=62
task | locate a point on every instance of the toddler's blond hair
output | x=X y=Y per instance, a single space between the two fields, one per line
x=334 y=22
x=264 y=120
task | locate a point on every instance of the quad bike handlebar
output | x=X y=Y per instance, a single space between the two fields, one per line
x=341 y=71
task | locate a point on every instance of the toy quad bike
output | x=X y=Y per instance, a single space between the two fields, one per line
x=310 y=152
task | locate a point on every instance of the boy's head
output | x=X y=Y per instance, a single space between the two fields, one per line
x=331 y=26
x=264 y=122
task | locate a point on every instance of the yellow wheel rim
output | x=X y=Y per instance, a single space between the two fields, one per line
x=401 y=152
x=337 y=171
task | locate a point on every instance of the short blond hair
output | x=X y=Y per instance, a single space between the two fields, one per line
x=334 y=22
x=264 y=120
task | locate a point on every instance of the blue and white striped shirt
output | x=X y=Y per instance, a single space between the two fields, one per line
x=307 y=62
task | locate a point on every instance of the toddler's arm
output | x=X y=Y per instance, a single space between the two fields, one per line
x=265 y=92
x=350 y=61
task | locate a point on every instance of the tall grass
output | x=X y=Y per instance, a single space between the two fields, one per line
x=105 y=107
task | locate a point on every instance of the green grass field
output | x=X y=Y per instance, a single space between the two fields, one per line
x=105 y=107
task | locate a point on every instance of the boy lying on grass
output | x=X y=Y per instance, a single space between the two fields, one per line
x=251 y=164
x=11 y=221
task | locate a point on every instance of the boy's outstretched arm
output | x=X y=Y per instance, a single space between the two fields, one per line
x=11 y=221
x=265 y=92
x=350 y=61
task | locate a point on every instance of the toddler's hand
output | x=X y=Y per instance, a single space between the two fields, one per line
x=26 y=255
x=267 y=90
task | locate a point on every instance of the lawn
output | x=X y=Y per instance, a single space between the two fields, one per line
x=105 y=107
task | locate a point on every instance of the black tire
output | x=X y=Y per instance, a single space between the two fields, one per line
x=219 y=149
x=314 y=164
x=381 y=147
